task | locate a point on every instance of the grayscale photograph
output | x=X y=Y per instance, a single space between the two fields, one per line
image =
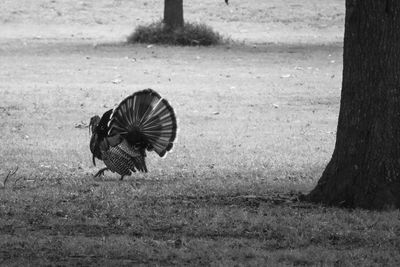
x=199 y=133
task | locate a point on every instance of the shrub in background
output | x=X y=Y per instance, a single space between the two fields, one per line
x=191 y=34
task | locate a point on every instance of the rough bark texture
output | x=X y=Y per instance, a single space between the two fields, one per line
x=173 y=13
x=365 y=167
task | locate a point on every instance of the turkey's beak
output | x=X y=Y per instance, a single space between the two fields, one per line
x=94 y=161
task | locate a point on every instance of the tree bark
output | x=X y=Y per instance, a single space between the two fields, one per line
x=173 y=13
x=364 y=170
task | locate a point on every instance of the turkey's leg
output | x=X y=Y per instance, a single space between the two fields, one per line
x=101 y=172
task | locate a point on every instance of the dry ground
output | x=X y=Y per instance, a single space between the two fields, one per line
x=288 y=21
x=257 y=125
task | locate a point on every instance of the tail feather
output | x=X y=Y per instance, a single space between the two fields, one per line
x=145 y=117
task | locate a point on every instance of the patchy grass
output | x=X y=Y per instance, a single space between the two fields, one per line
x=79 y=220
x=191 y=34
x=256 y=127
x=312 y=21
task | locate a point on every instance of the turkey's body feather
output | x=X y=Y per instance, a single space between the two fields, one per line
x=124 y=159
x=142 y=121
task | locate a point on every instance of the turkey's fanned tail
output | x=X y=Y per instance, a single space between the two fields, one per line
x=145 y=118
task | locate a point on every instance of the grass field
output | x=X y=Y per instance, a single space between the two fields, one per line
x=257 y=124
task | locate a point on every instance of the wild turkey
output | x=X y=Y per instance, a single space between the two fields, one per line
x=142 y=121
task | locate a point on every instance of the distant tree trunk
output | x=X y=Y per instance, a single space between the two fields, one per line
x=173 y=13
x=365 y=167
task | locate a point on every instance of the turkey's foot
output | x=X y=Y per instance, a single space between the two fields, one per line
x=101 y=172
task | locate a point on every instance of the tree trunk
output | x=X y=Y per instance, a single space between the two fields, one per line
x=364 y=170
x=173 y=13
